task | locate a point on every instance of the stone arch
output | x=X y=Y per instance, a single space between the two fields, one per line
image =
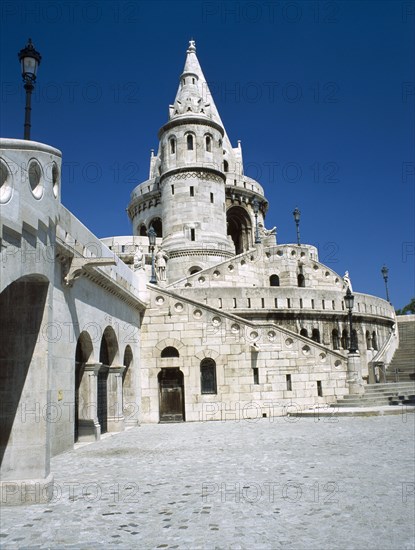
x=304 y=332
x=83 y=352
x=194 y=269
x=169 y=342
x=142 y=230
x=107 y=354
x=25 y=337
x=109 y=346
x=157 y=226
x=207 y=353
x=169 y=351
x=129 y=408
x=239 y=228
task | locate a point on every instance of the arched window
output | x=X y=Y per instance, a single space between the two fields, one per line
x=304 y=332
x=315 y=335
x=368 y=340
x=157 y=226
x=345 y=339
x=194 y=269
x=208 y=376
x=170 y=351
x=335 y=339
x=274 y=280
x=374 y=341
x=189 y=142
x=208 y=144
x=301 y=280
x=225 y=166
x=172 y=146
x=143 y=230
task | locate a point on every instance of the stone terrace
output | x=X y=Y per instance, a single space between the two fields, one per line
x=289 y=483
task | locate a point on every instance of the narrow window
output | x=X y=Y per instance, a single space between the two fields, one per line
x=208 y=144
x=301 y=303
x=288 y=302
x=225 y=166
x=122 y=248
x=208 y=376
x=312 y=303
x=192 y=191
x=323 y=304
x=234 y=302
x=172 y=146
x=193 y=80
x=301 y=280
x=192 y=235
x=211 y=198
x=263 y=302
x=319 y=388
x=220 y=303
x=333 y=305
x=288 y=382
x=249 y=302
x=304 y=332
x=276 y=302
x=315 y=335
x=335 y=339
x=172 y=189
x=189 y=142
x=255 y=373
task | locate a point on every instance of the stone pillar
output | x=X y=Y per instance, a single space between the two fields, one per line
x=354 y=374
x=88 y=425
x=115 y=419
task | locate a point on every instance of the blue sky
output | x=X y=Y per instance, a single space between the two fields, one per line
x=321 y=95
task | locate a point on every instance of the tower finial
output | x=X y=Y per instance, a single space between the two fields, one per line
x=192 y=46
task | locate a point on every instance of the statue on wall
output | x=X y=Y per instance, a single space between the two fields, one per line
x=160 y=264
x=266 y=232
x=347 y=281
x=138 y=262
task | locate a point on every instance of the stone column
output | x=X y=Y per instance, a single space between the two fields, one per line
x=88 y=427
x=354 y=374
x=115 y=419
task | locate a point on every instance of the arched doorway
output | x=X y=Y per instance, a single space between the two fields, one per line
x=107 y=353
x=239 y=228
x=171 y=395
x=82 y=354
x=157 y=226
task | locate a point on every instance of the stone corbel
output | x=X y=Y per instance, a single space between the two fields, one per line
x=77 y=267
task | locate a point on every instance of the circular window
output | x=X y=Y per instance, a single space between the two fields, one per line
x=271 y=335
x=315 y=267
x=235 y=327
x=279 y=252
x=243 y=262
x=197 y=314
x=187 y=285
x=253 y=335
x=302 y=254
x=216 y=273
x=230 y=267
x=178 y=306
x=293 y=252
x=35 y=179
x=322 y=357
x=159 y=300
x=306 y=350
x=289 y=342
x=201 y=280
x=216 y=321
x=55 y=179
x=338 y=364
x=327 y=274
x=6 y=187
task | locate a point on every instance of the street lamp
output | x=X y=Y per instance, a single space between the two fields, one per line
x=30 y=61
x=385 y=272
x=151 y=234
x=296 y=215
x=349 y=301
x=255 y=206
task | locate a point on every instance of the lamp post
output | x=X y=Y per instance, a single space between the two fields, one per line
x=255 y=206
x=151 y=234
x=385 y=272
x=30 y=61
x=296 y=215
x=349 y=301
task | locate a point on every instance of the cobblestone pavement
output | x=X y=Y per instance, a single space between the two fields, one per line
x=273 y=483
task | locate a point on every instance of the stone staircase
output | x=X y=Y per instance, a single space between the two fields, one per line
x=402 y=366
x=380 y=395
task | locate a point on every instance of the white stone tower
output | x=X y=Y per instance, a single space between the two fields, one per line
x=197 y=197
